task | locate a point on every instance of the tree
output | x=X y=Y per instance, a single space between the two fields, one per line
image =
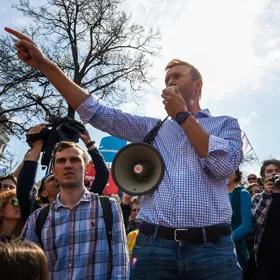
x=92 y=41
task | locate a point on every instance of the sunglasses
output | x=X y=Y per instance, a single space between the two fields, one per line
x=135 y=210
x=14 y=202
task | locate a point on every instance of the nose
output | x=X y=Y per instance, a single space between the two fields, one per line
x=171 y=82
x=68 y=164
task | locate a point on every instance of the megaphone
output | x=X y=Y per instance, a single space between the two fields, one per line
x=137 y=168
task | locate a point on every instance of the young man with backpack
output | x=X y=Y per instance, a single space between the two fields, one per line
x=74 y=232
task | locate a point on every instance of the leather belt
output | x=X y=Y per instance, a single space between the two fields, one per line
x=208 y=234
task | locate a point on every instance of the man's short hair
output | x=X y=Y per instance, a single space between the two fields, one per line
x=194 y=72
x=268 y=162
x=62 y=145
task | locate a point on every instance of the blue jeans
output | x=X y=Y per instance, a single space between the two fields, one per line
x=156 y=258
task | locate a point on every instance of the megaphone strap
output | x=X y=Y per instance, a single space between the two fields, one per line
x=150 y=136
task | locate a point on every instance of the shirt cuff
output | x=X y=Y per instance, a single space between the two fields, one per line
x=215 y=144
x=88 y=108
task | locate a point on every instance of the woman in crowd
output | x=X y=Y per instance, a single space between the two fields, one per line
x=10 y=218
x=241 y=221
x=254 y=188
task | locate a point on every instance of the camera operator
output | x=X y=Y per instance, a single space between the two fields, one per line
x=49 y=187
x=266 y=212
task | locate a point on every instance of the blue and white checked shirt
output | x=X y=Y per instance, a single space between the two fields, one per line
x=75 y=241
x=193 y=191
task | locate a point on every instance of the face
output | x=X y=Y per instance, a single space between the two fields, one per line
x=7 y=184
x=252 y=178
x=134 y=210
x=51 y=187
x=271 y=170
x=180 y=76
x=69 y=168
x=11 y=210
x=255 y=189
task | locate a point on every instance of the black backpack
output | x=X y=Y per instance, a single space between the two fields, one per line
x=108 y=219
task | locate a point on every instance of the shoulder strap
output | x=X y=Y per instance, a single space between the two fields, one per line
x=40 y=221
x=108 y=218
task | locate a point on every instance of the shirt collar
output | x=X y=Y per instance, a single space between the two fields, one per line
x=86 y=196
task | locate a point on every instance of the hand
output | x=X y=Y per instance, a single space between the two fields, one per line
x=35 y=130
x=173 y=101
x=85 y=137
x=27 y=50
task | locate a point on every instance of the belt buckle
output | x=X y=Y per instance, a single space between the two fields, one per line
x=177 y=230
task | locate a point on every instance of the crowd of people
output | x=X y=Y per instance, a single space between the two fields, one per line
x=203 y=221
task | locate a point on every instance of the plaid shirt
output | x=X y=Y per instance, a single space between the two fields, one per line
x=260 y=207
x=75 y=241
x=193 y=191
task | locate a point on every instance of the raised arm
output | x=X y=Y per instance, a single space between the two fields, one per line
x=101 y=170
x=29 y=53
x=27 y=175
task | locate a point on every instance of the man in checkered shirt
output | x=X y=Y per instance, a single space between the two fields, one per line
x=266 y=213
x=185 y=223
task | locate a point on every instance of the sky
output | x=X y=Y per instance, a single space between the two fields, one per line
x=234 y=43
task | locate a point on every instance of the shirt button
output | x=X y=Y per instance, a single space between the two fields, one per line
x=69 y=265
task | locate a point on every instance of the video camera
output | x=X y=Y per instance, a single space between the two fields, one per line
x=276 y=181
x=58 y=129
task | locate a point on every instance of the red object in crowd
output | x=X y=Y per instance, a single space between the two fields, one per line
x=111 y=187
x=89 y=173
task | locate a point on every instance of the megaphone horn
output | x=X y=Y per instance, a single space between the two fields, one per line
x=138 y=168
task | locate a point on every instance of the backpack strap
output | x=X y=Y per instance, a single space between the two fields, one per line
x=108 y=218
x=40 y=221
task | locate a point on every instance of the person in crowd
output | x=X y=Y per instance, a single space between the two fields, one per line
x=241 y=221
x=22 y=260
x=49 y=187
x=254 y=188
x=135 y=208
x=266 y=212
x=8 y=182
x=185 y=223
x=252 y=178
x=74 y=236
x=10 y=218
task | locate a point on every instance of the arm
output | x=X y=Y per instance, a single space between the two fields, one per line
x=246 y=217
x=102 y=172
x=27 y=175
x=112 y=121
x=220 y=154
x=120 y=259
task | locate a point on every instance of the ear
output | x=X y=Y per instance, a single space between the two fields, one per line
x=44 y=193
x=198 y=87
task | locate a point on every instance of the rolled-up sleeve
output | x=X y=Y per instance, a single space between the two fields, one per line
x=130 y=127
x=224 y=150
